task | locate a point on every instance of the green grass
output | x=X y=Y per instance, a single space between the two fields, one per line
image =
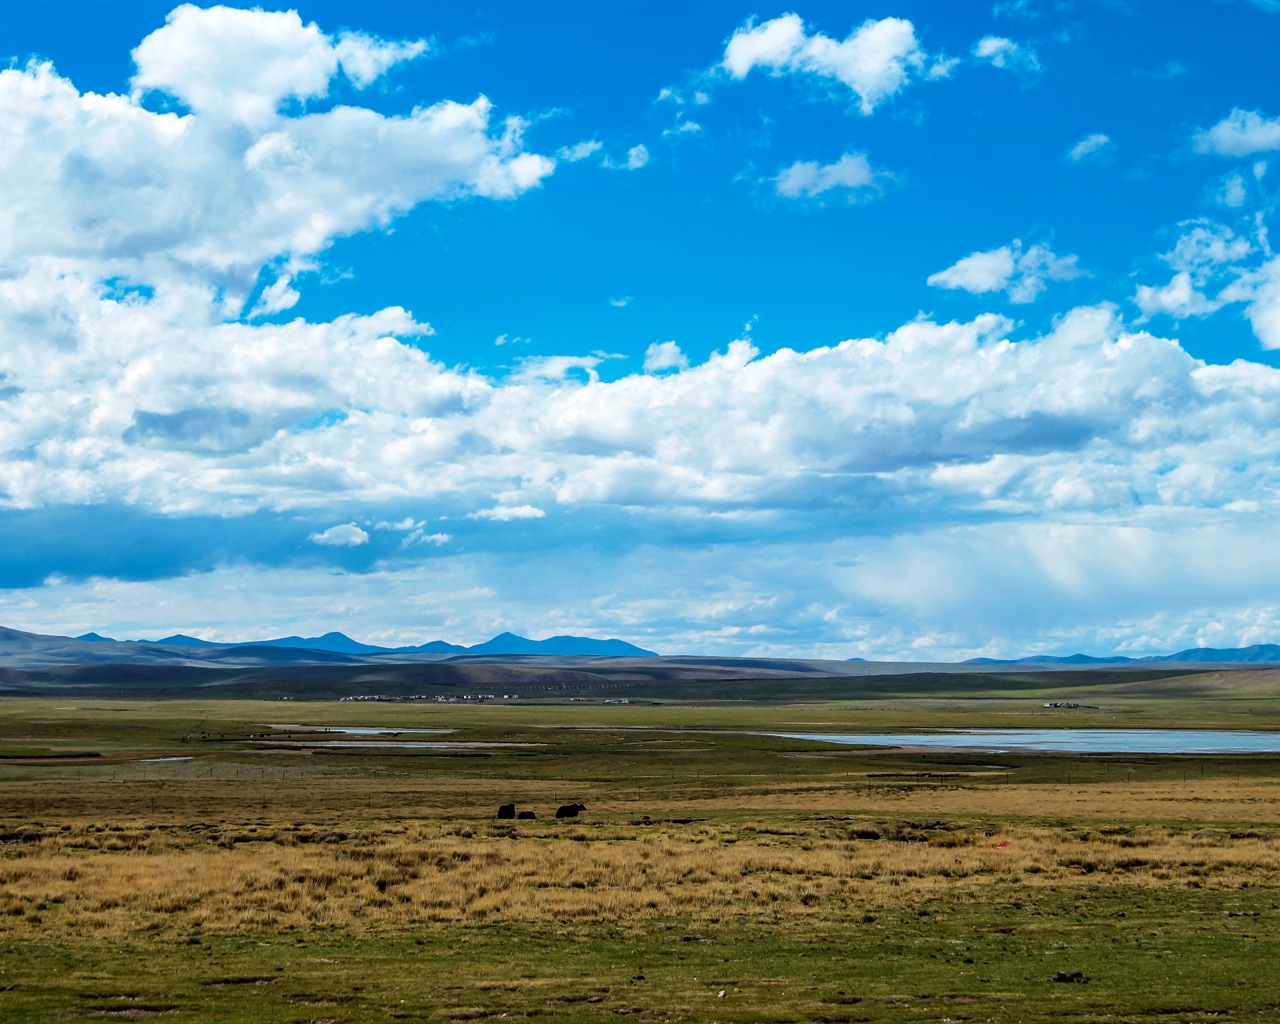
x=1146 y=958
x=1171 y=952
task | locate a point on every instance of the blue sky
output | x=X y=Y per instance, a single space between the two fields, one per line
x=884 y=330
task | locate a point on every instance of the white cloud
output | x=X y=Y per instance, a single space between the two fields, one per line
x=1125 y=450
x=419 y=537
x=402 y=525
x=1206 y=255
x=1022 y=274
x=555 y=368
x=239 y=64
x=1089 y=147
x=1240 y=133
x=979 y=272
x=1210 y=258
x=621 y=303
x=347 y=535
x=1005 y=53
x=637 y=157
x=579 y=151
x=1179 y=298
x=1232 y=191
x=875 y=61
x=166 y=200
x=364 y=59
x=1106 y=478
x=664 y=355
x=807 y=178
x=683 y=128
x=1205 y=247
x=276 y=297
x=508 y=513
x=223 y=62
x=1262 y=291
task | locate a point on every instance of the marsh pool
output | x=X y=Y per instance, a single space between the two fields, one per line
x=1077 y=741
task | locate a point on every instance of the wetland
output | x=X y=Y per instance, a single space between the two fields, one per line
x=161 y=859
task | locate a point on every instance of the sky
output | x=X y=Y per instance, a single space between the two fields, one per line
x=906 y=331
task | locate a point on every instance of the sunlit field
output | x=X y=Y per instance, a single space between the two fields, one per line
x=716 y=874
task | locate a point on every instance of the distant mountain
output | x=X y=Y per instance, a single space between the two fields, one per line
x=503 y=643
x=339 y=643
x=177 y=640
x=509 y=643
x=1257 y=654
x=1047 y=659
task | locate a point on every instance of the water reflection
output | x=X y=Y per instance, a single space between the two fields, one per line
x=1078 y=741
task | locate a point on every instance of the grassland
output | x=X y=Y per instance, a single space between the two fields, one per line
x=717 y=875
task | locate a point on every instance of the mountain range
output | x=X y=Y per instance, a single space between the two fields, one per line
x=1257 y=654
x=22 y=650
x=340 y=643
x=29 y=651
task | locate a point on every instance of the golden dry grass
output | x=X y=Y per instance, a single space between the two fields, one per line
x=1244 y=801
x=1212 y=800
x=92 y=881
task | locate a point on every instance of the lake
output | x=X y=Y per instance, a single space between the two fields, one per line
x=1077 y=741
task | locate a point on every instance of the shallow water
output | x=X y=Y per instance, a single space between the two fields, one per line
x=1079 y=741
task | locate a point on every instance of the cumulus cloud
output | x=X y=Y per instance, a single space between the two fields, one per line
x=1005 y=53
x=579 y=151
x=1021 y=273
x=420 y=536
x=875 y=61
x=1089 y=148
x=806 y=179
x=1261 y=290
x=237 y=418
x=1179 y=298
x=1231 y=191
x=664 y=355
x=245 y=176
x=507 y=513
x=1207 y=256
x=554 y=368
x=1147 y=495
x=1204 y=246
x=683 y=128
x=1214 y=268
x=1240 y=133
x=347 y=535
x=130 y=385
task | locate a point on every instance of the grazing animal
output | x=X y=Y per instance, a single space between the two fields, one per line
x=527 y=816
x=507 y=811
x=569 y=810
